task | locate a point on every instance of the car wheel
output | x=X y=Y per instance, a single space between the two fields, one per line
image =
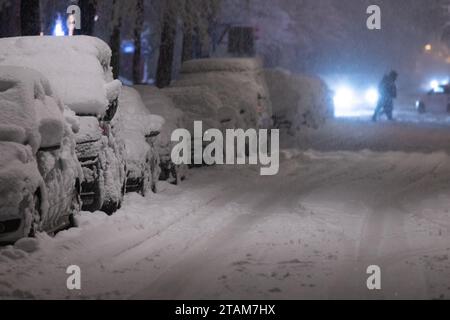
x=110 y=207
x=36 y=216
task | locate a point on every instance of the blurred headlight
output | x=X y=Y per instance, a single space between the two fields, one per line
x=344 y=97
x=372 y=96
x=434 y=85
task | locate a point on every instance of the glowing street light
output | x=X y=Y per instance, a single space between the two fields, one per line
x=428 y=47
x=58 y=30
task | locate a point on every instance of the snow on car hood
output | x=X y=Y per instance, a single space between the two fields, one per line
x=30 y=112
x=18 y=173
x=78 y=68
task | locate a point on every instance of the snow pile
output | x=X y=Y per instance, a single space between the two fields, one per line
x=29 y=245
x=78 y=68
x=238 y=83
x=302 y=100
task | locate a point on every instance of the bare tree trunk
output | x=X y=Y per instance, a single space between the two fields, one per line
x=139 y=25
x=30 y=18
x=115 y=40
x=10 y=19
x=188 y=45
x=88 y=13
x=166 y=50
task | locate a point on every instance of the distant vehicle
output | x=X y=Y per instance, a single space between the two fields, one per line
x=40 y=176
x=299 y=101
x=139 y=129
x=79 y=69
x=436 y=101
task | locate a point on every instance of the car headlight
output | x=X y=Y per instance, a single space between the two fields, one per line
x=434 y=85
x=344 y=97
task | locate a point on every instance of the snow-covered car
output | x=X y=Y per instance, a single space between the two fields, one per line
x=139 y=129
x=202 y=104
x=160 y=104
x=436 y=101
x=238 y=83
x=79 y=70
x=299 y=101
x=40 y=176
x=197 y=104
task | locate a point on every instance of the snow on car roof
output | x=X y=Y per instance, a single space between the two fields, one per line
x=30 y=111
x=78 y=68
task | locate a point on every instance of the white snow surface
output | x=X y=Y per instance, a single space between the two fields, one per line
x=78 y=68
x=229 y=233
x=30 y=111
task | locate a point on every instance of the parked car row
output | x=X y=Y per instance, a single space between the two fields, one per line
x=71 y=138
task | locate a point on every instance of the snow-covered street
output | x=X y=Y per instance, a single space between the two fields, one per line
x=227 y=233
